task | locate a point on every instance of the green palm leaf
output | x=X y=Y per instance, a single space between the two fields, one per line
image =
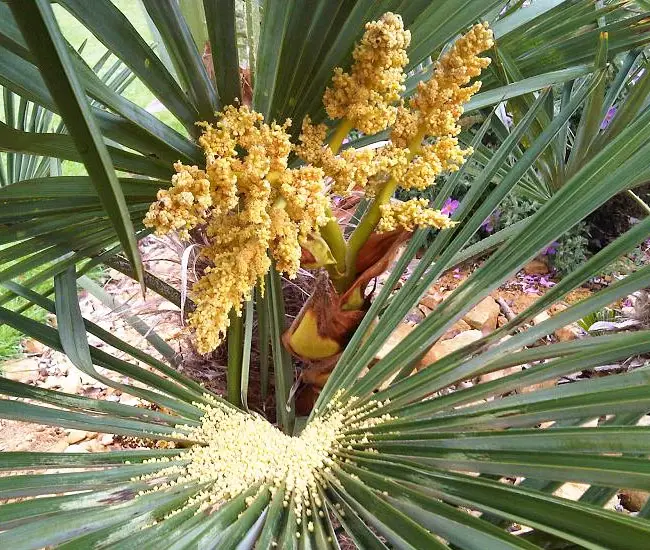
x=48 y=46
x=427 y=468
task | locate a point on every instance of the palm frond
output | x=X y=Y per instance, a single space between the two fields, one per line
x=419 y=460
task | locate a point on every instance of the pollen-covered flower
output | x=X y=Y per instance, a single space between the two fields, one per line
x=438 y=103
x=365 y=96
x=254 y=209
x=238 y=254
x=251 y=205
x=307 y=204
x=434 y=112
x=352 y=169
x=239 y=451
x=184 y=205
x=409 y=215
x=432 y=160
x=285 y=245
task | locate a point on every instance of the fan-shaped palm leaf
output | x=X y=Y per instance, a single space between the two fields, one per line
x=405 y=464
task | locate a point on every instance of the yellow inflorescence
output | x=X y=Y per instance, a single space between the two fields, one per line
x=240 y=451
x=184 y=205
x=411 y=214
x=351 y=169
x=438 y=103
x=251 y=205
x=432 y=160
x=365 y=96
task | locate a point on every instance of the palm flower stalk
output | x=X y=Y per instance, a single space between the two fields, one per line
x=255 y=208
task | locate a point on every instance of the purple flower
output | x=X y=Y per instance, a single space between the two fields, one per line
x=545 y=282
x=608 y=117
x=551 y=249
x=491 y=221
x=450 y=206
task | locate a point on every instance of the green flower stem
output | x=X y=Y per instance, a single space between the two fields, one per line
x=372 y=216
x=333 y=236
x=331 y=232
x=365 y=228
x=341 y=132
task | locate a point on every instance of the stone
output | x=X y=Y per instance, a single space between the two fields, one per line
x=401 y=332
x=432 y=301
x=52 y=382
x=21 y=370
x=613 y=503
x=58 y=447
x=644 y=421
x=633 y=500
x=106 y=439
x=490 y=376
x=458 y=327
x=126 y=399
x=444 y=347
x=568 y=333
x=536 y=267
x=93 y=446
x=521 y=302
x=546 y=385
x=484 y=315
x=71 y=384
x=541 y=317
x=33 y=347
x=75 y=436
x=571 y=491
x=557 y=308
x=417 y=315
x=76 y=449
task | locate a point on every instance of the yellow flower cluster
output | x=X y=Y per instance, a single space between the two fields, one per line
x=353 y=169
x=432 y=160
x=366 y=95
x=349 y=170
x=438 y=103
x=241 y=451
x=184 y=205
x=409 y=215
x=251 y=204
x=433 y=112
x=254 y=208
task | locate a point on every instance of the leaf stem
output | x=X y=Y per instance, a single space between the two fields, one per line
x=235 y=356
x=639 y=201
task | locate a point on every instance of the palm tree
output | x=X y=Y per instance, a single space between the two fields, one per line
x=386 y=457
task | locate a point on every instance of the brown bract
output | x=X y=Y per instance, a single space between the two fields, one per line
x=337 y=316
